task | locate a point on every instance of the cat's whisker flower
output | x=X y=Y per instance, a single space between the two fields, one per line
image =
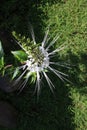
x=39 y=62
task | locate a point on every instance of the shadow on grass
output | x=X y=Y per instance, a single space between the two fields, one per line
x=79 y=71
x=79 y=68
x=51 y=112
x=16 y=15
x=48 y=114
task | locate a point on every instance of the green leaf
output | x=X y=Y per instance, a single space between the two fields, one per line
x=1 y=62
x=1 y=59
x=20 y=55
x=1 y=51
x=15 y=73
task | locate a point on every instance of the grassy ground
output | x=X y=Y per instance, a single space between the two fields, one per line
x=68 y=108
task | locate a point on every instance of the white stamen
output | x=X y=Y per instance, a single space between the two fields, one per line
x=49 y=82
x=45 y=38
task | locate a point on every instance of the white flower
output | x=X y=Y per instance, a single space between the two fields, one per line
x=39 y=62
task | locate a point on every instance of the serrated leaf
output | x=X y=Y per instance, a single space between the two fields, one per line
x=20 y=55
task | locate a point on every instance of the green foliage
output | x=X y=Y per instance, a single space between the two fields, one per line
x=16 y=72
x=1 y=62
x=1 y=50
x=20 y=55
x=79 y=109
x=1 y=59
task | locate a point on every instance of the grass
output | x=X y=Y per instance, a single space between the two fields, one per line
x=67 y=109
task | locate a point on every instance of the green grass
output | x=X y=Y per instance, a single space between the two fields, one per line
x=67 y=110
